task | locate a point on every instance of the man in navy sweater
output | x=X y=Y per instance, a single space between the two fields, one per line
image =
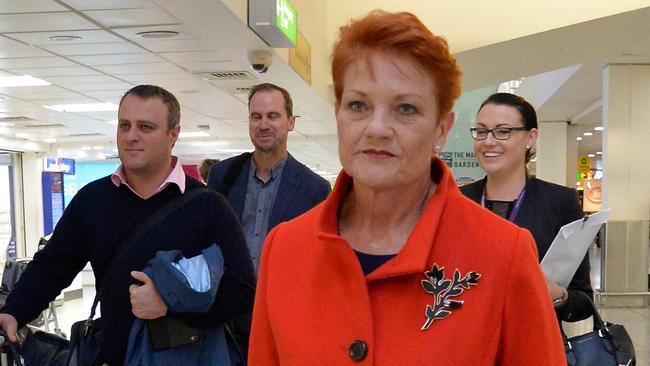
x=104 y=212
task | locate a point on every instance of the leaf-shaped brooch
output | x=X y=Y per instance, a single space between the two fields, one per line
x=443 y=290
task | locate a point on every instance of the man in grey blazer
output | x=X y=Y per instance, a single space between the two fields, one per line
x=268 y=186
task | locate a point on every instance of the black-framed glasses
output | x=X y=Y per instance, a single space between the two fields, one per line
x=499 y=133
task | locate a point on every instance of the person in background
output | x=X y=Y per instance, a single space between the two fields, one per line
x=204 y=168
x=104 y=213
x=268 y=186
x=504 y=134
x=396 y=266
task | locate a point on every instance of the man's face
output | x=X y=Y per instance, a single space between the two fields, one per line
x=143 y=139
x=269 y=124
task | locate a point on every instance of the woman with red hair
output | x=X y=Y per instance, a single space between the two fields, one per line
x=396 y=266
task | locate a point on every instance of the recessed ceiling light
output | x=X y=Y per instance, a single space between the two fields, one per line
x=86 y=107
x=194 y=134
x=599 y=128
x=157 y=34
x=64 y=38
x=49 y=140
x=599 y=153
x=578 y=138
x=25 y=80
x=588 y=133
x=591 y=155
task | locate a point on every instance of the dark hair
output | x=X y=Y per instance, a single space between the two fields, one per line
x=204 y=168
x=404 y=34
x=154 y=91
x=268 y=87
x=526 y=111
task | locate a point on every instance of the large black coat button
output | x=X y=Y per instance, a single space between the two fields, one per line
x=358 y=350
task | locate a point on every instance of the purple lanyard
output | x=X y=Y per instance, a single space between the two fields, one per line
x=515 y=210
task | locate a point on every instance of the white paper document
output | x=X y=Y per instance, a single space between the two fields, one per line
x=570 y=246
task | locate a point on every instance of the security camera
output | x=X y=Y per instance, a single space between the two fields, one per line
x=260 y=60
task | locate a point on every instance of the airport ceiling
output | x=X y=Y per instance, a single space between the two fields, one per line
x=205 y=66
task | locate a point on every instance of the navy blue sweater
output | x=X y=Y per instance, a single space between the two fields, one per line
x=100 y=217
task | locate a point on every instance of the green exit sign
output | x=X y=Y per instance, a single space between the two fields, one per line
x=286 y=20
x=275 y=21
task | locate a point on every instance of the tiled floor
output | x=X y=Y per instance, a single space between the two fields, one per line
x=636 y=320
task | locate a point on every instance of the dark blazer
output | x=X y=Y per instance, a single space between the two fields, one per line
x=300 y=189
x=545 y=209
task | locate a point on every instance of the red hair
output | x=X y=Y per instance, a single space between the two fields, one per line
x=404 y=34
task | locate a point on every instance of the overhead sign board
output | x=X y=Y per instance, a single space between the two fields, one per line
x=62 y=165
x=300 y=58
x=275 y=21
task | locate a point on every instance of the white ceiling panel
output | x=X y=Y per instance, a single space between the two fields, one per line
x=29 y=6
x=79 y=100
x=89 y=79
x=40 y=92
x=34 y=62
x=158 y=68
x=221 y=129
x=6 y=73
x=180 y=45
x=190 y=57
x=13 y=49
x=131 y=17
x=120 y=59
x=112 y=96
x=100 y=116
x=93 y=48
x=56 y=71
x=132 y=32
x=83 y=88
x=153 y=78
x=35 y=22
x=43 y=38
x=113 y=4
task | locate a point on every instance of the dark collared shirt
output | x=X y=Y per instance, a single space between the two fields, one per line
x=258 y=204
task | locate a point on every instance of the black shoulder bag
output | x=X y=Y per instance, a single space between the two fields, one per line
x=607 y=345
x=85 y=334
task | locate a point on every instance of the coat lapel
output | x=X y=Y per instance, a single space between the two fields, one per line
x=237 y=193
x=286 y=192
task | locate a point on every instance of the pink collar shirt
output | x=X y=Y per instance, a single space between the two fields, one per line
x=176 y=176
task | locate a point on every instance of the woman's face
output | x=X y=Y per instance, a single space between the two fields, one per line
x=502 y=157
x=388 y=121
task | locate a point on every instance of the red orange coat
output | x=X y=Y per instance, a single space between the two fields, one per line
x=313 y=300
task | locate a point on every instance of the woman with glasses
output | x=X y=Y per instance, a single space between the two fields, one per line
x=504 y=134
x=396 y=267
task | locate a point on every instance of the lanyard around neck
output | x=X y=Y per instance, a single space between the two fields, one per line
x=515 y=209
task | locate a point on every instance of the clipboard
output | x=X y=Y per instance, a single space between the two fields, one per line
x=569 y=247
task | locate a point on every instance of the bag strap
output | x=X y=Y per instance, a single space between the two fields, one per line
x=235 y=168
x=143 y=228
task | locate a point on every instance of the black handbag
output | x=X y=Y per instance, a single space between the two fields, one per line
x=85 y=335
x=607 y=345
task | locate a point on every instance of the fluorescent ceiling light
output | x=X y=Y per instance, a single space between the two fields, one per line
x=578 y=138
x=113 y=122
x=25 y=80
x=599 y=153
x=49 y=140
x=194 y=134
x=588 y=133
x=599 y=128
x=85 y=147
x=86 y=107
x=21 y=135
x=98 y=148
x=591 y=155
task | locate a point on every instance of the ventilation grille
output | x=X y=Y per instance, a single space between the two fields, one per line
x=85 y=134
x=44 y=125
x=16 y=119
x=227 y=75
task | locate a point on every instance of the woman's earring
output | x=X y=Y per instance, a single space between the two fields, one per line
x=527 y=147
x=437 y=148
